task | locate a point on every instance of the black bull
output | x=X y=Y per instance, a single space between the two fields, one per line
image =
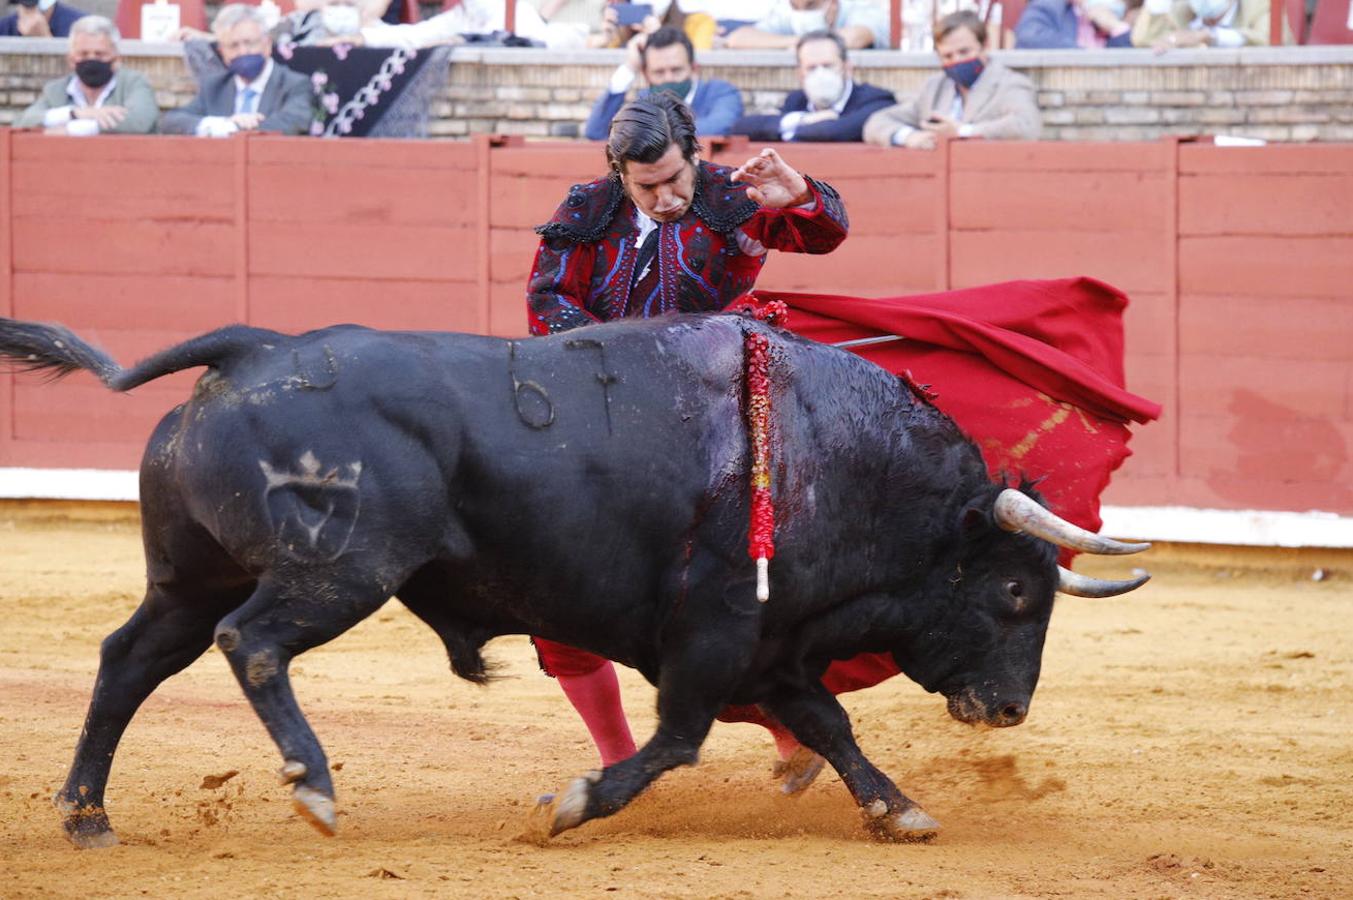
x=591 y=488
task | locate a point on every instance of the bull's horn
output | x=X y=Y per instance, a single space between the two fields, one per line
x=1017 y=511
x=1084 y=586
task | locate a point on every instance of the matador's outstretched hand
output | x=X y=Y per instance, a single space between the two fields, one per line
x=772 y=182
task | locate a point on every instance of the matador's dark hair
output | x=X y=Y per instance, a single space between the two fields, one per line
x=644 y=129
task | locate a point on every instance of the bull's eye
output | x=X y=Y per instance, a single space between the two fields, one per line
x=1015 y=589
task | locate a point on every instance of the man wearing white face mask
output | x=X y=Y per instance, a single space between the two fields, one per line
x=860 y=23
x=40 y=18
x=832 y=106
x=1163 y=24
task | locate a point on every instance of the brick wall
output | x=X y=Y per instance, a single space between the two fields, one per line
x=1279 y=94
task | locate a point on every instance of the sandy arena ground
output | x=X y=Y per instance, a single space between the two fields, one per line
x=1190 y=740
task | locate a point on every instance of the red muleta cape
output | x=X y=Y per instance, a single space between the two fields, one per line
x=1031 y=370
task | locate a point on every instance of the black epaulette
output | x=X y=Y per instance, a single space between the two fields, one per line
x=720 y=203
x=586 y=214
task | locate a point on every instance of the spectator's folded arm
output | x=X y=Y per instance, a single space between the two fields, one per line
x=294 y=112
x=882 y=125
x=142 y=110
x=1019 y=118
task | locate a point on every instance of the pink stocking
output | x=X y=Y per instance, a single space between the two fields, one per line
x=596 y=697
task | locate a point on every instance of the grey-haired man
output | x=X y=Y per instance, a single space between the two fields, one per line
x=100 y=96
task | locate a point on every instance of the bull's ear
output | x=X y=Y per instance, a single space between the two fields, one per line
x=974 y=520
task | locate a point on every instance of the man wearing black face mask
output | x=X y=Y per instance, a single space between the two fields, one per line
x=100 y=96
x=39 y=18
x=254 y=94
x=974 y=97
x=666 y=59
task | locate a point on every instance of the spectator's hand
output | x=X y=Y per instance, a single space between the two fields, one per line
x=822 y=115
x=940 y=126
x=610 y=26
x=1180 y=40
x=920 y=140
x=33 y=23
x=108 y=117
x=633 y=60
x=247 y=121
x=1103 y=18
x=771 y=182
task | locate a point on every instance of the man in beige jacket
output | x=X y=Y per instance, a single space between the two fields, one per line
x=1166 y=24
x=973 y=97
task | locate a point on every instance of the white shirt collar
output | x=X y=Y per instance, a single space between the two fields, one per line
x=77 y=95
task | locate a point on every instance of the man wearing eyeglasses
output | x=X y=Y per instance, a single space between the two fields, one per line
x=254 y=94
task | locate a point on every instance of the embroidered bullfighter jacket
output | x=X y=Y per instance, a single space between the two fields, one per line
x=584 y=268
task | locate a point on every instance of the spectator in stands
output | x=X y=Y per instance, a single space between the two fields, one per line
x=1164 y=24
x=1068 y=24
x=359 y=24
x=831 y=106
x=728 y=15
x=683 y=15
x=99 y=96
x=974 y=97
x=667 y=61
x=40 y=18
x=253 y=94
x=860 y=23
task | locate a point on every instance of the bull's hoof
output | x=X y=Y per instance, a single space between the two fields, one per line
x=910 y=826
x=86 y=827
x=556 y=813
x=799 y=771
x=317 y=808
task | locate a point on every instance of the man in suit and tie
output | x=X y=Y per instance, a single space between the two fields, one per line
x=254 y=94
x=974 y=97
x=666 y=59
x=831 y=106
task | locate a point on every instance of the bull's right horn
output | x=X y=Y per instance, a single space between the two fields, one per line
x=1016 y=511
x=1077 y=585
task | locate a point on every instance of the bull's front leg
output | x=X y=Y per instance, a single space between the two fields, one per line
x=819 y=722
x=691 y=690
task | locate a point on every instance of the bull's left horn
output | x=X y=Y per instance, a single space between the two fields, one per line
x=1017 y=511
x=1084 y=586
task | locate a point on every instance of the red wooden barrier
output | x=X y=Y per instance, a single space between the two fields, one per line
x=1236 y=261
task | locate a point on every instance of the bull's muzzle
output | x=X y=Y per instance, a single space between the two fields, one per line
x=967 y=707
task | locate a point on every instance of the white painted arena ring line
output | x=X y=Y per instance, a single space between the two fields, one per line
x=1257 y=528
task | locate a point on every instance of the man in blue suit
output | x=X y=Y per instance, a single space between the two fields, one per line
x=831 y=106
x=1069 y=24
x=666 y=59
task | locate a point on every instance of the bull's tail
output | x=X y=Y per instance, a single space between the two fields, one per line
x=57 y=351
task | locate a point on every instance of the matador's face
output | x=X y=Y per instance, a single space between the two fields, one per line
x=662 y=190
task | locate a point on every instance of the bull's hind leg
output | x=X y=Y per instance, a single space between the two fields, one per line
x=819 y=722
x=279 y=622
x=164 y=635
